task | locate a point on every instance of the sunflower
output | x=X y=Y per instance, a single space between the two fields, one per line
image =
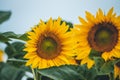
x=117 y=70
x=100 y=33
x=50 y=44
x=1 y=56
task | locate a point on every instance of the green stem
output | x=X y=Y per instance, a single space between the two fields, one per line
x=39 y=75
x=34 y=75
x=111 y=76
x=16 y=60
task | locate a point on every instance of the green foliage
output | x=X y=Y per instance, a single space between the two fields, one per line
x=94 y=53
x=69 y=72
x=8 y=72
x=15 y=50
x=3 y=38
x=4 y=15
x=8 y=36
x=61 y=73
x=98 y=63
x=23 y=37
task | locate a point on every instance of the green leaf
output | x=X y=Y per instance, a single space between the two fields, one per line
x=87 y=74
x=24 y=37
x=107 y=67
x=8 y=72
x=6 y=36
x=15 y=50
x=3 y=38
x=67 y=72
x=98 y=63
x=94 y=53
x=10 y=35
x=4 y=15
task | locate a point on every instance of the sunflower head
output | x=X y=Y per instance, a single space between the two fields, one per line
x=100 y=33
x=50 y=44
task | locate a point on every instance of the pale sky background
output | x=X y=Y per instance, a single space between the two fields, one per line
x=27 y=13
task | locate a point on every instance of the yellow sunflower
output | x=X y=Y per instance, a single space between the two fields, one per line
x=1 y=56
x=50 y=44
x=117 y=70
x=100 y=33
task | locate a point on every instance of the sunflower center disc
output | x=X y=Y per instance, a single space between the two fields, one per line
x=103 y=37
x=48 y=46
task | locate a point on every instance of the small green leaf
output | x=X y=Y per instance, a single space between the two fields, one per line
x=87 y=74
x=94 y=53
x=24 y=37
x=107 y=67
x=10 y=34
x=4 y=15
x=98 y=63
x=7 y=36
x=3 y=38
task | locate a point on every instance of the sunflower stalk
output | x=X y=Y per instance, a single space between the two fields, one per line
x=38 y=75
x=111 y=76
x=34 y=74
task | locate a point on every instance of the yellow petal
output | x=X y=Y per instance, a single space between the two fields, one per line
x=82 y=54
x=110 y=12
x=63 y=58
x=116 y=53
x=90 y=63
x=82 y=20
x=35 y=62
x=43 y=63
x=116 y=72
x=30 y=49
x=105 y=56
x=90 y=17
x=30 y=55
x=29 y=62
